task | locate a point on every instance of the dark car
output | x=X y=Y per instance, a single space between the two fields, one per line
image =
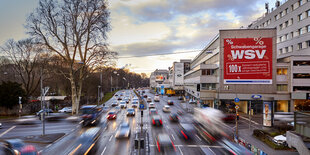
x=180 y=98
x=87 y=142
x=164 y=144
x=119 y=98
x=130 y=112
x=134 y=104
x=145 y=96
x=5 y=150
x=229 y=118
x=170 y=102
x=116 y=95
x=114 y=104
x=90 y=115
x=14 y=144
x=47 y=111
x=156 y=120
x=174 y=117
x=111 y=115
x=187 y=131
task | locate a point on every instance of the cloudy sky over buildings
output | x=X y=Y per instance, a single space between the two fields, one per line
x=152 y=34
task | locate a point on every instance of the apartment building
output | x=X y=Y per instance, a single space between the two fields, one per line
x=292 y=20
x=159 y=80
x=176 y=75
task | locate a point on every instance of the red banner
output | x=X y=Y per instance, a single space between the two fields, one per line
x=247 y=61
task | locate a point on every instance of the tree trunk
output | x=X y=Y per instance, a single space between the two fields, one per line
x=73 y=93
x=79 y=92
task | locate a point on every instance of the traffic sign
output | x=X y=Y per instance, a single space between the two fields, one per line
x=237 y=99
x=237 y=107
x=141 y=106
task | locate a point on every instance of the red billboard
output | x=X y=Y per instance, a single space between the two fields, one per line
x=247 y=61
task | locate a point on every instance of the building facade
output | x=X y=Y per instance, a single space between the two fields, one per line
x=176 y=75
x=159 y=80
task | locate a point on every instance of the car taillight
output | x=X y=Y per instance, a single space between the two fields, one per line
x=158 y=146
x=212 y=138
x=153 y=121
x=173 y=145
x=161 y=122
x=184 y=134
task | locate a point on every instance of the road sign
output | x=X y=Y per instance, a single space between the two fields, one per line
x=237 y=99
x=141 y=106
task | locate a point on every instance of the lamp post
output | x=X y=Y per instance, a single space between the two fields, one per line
x=98 y=94
x=115 y=72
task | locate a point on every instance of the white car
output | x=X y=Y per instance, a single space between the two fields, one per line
x=166 y=108
x=123 y=104
x=151 y=105
x=156 y=98
x=149 y=99
x=66 y=109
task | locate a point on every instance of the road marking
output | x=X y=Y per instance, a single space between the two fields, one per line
x=72 y=130
x=48 y=146
x=198 y=137
x=103 y=150
x=73 y=151
x=40 y=151
x=180 y=150
x=110 y=138
x=172 y=136
x=8 y=130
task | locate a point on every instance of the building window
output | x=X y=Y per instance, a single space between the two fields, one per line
x=301 y=88
x=301 y=76
x=286 y=49
x=207 y=72
x=299 y=46
x=300 y=2
x=308 y=28
x=301 y=63
x=281 y=26
x=280 y=51
x=299 y=17
x=292 y=34
x=286 y=24
x=287 y=36
x=308 y=13
x=300 y=31
x=208 y=86
x=282 y=71
x=282 y=87
x=308 y=43
x=286 y=11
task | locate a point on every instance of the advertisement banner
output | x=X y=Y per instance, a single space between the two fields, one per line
x=179 y=71
x=267 y=113
x=247 y=61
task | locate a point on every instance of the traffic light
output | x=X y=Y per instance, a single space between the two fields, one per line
x=198 y=87
x=141 y=113
x=237 y=116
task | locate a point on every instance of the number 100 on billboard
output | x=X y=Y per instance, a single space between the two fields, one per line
x=247 y=61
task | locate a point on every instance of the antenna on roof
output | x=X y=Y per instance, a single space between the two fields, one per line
x=267 y=7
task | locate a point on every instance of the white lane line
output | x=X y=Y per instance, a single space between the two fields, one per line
x=40 y=151
x=180 y=150
x=103 y=150
x=198 y=137
x=72 y=130
x=172 y=136
x=48 y=146
x=8 y=130
x=111 y=138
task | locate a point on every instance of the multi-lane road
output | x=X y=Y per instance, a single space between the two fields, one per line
x=107 y=144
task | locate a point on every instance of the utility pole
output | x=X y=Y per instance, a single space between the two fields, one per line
x=250 y=112
x=98 y=94
x=237 y=118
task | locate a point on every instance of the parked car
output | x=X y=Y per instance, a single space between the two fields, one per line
x=280 y=140
x=166 y=108
x=46 y=111
x=66 y=109
x=170 y=102
x=123 y=131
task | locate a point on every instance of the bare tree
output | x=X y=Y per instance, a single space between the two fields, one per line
x=75 y=30
x=25 y=58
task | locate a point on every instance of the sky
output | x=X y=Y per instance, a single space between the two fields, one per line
x=151 y=34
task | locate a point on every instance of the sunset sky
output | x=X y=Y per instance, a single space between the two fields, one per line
x=160 y=28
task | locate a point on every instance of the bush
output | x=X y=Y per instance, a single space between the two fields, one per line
x=267 y=136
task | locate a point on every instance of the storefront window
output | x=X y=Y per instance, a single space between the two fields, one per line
x=282 y=106
x=302 y=105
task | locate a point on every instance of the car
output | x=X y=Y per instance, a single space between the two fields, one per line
x=166 y=108
x=156 y=98
x=117 y=108
x=180 y=112
x=280 y=140
x=116 y=95
x=153 y=112
x=145 y=96
x=134 y=104
x=170 y=102
x=14 y=144
x=229 y=118
x=151 y=105
x=123 y=104
x=126 y=100
x=111 y=115
x=187 y=131
x=180 y=98
x=149 y=99
x=130 y=112
x=123 y=131
x=0 y=125
x=156 y=120
x=114 y=104
x=119 y=98
x=87 y=142
x=164 y=144
x=66 y=109
x=46 y=112
x=234 y=148
x=174 y=117
x=135 y=99
x=91 y=115
x=105 y=108
x=6 y=150
x=191 y=101
x=28 y=150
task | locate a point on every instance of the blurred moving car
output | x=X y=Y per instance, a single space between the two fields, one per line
x=180 y=98
x=180 y=112
x=234 y=148
x=174 y=117
x=166 y=108
x=14 y=144
x=151 y=105
x=123 y=131
x=6 y=150
x=170 y=102
x=123 y=104
x=187 y=131
x=130 y=112
x=90 y=115
x=149 y=99
x=114 y=104
x=46 y=111
x=66 y=109
x=156 y=98
x=116 y=95
x=229 y=118
x=111 y=115
x=153 y=112
x=164 y=144
x=156 y=120
x=87 y=142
